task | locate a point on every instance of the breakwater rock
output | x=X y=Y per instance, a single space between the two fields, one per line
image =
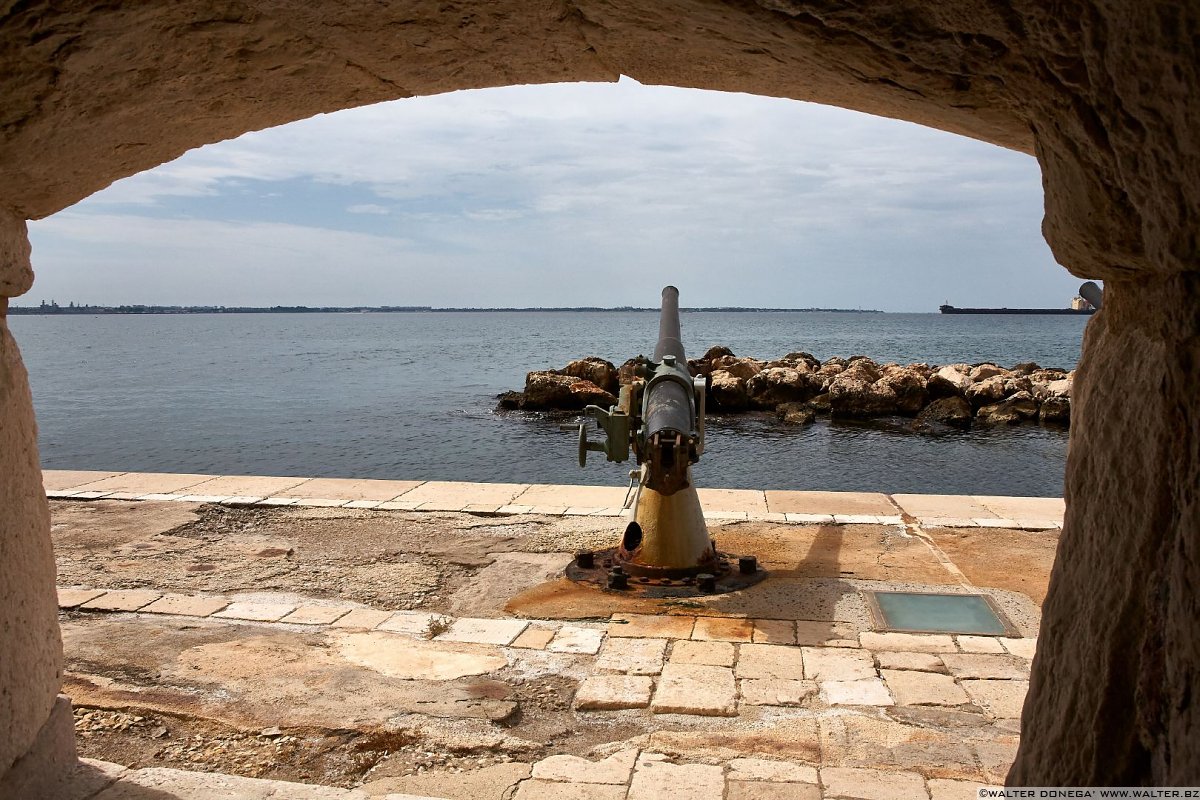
x=798 y=387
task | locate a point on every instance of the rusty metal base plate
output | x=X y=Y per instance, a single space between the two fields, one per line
x=728 y=578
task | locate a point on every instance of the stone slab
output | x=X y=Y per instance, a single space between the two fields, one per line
x=1033 y=508
x=983 y=665
x=186 y=605
x=72 y=598
x=616 y=769
x=411 y=623
x=761 y=769
x=911 y=642
x=364 y=618
x=867 y=692
x=557 y=496
x=484 y=631
x=346 y=489
x=980 y=644
x=1025 y=648
x=789 y=502
x=455 y=495
x=809 y=519
x=656 y=779
x=723 y=629
x=749 y=501
x=633 y=656
x=871 y=784
x=770 y=661
x=62 y=480
x=757 y=790
x=695 y=689
x=121 y=600
x=158 y=782
x=774 y=631
x=714 y=654
x=577 y=639
x=777 y=692
x=1002 y=699
x=255 y=612
x=613 y=692
x=923 y=662
x=837 y=664
x=824 y=634
x=148 y=483
x=534 y=789
x=943 y=789
x=911 y=688
x=534 y=639
x=317 y=615
x=923 y=506
x=651 y=627
x=246 y=485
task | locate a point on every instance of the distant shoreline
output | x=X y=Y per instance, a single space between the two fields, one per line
x=72 y=310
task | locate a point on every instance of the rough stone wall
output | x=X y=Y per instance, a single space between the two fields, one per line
x=1103 y=91
x=1112 y=699
x=30 y=648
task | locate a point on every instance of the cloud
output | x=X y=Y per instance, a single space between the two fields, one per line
x=516 y=195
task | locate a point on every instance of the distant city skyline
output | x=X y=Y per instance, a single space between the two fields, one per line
x=567 y=195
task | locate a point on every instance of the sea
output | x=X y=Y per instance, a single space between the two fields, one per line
x=413 y=396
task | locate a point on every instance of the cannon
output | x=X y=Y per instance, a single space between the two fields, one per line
x=666 y=549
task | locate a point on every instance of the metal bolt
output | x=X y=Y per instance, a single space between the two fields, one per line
x=706 y=582
x=617 y=579
x=585 y=559
x=748 y=565
x=669 y=360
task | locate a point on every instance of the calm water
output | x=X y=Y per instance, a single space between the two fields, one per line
x=412 y=396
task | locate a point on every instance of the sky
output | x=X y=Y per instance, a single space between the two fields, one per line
x=567 y=195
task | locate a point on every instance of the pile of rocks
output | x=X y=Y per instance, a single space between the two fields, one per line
x=798 y=387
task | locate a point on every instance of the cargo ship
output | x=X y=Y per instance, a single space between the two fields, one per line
x=1078 y=306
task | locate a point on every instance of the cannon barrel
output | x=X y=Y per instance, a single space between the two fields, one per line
x=670 y=340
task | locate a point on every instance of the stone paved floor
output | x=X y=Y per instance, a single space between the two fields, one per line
x=794 y=700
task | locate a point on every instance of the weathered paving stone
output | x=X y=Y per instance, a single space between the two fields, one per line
x=554 y=790
x=255 y=612
x=943 y=789
x=121 y=600
x=924 y=662
x=657 y=779
x=157 y=782
x=972 y=665
x=316 y=615
x=484 y=631
x=366 y=618
x=616 y=769
x=714 y=654
x=760 y=769
x=998 y=698
x=824 y=634
x=723 y=629
x=613 y=692
x=912 y=642
x=871 y=784
x=412 y=623
x=980 y=644
x=186 y=605
x=1020 y=647
x=696 y=689
x=837 y=664
x=776 y=692
x=72 y=598
x=632 y=656
x=651 y=627
x=924 y=688
x=866 y=692
x=534 y=639
x=774 y=631
x=577 y=639
x=770 y=661
x=755 y=790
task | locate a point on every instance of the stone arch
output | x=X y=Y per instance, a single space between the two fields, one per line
x=1102 y=91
